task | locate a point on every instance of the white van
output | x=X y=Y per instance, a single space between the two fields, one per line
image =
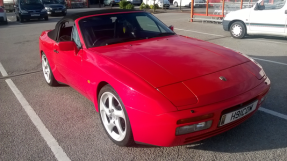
x=263 y=18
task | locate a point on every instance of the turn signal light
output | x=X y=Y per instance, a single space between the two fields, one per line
x=193 y=128
x=195 y=119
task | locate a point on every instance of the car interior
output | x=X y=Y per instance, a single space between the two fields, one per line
x=111 y=29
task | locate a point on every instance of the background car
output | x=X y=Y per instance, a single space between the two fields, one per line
x=30 y=9
x=186 y=3
x=149 y=84
x=3 y=17
x=55 y=7
x=111 y=2
x=160 y=3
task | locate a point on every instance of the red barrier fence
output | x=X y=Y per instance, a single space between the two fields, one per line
x=219 y=8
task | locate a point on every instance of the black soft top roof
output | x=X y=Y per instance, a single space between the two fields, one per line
x=71 y=18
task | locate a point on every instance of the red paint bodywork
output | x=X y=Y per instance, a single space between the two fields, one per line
x=160 y=80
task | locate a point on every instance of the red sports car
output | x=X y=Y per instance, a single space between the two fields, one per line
x=149 y=84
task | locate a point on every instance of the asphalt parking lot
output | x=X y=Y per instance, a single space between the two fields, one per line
x=74 y=124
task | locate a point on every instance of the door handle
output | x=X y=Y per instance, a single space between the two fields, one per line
x=56 y=51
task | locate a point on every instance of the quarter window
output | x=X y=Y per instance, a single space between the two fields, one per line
x=75 y=37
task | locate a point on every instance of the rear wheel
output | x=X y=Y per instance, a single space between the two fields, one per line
x=237 y=30
x=114 y=117
x=48 y=74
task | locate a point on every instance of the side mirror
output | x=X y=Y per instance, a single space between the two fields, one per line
x=171 y=27
x=256 y=6
x=68 y=46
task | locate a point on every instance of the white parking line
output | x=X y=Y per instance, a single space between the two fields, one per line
x=273 y=113
x=45 y=133
x=270 y=61
x=200 y=32
x=258 y=40
x=3 y=71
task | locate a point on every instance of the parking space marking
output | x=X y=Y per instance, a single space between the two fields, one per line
x=3 y=71
x=269 y=61
x=231 y=37
x=45 y=133
x=267 y=41
x=273 y=113
x=200 y=32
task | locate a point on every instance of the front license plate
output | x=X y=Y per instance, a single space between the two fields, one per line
x=34 y=15
x=235 y=115
x=58 y=11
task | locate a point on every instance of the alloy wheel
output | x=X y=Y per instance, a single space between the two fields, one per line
x=113 y=116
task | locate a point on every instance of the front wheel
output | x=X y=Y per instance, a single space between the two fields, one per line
x=48 y=75
x=46 y=18
x=175 y=4
x=114 y=117
x=237 y=30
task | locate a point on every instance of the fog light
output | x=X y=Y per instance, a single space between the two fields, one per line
x=192 y=128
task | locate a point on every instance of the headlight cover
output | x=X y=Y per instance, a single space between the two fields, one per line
x=178 y=94
x=43 y=10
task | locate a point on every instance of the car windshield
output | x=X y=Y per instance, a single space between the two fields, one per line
x=30 y=2
x=51 y=2
x=118 y=28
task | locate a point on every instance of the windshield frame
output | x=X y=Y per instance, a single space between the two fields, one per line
x=152 y=17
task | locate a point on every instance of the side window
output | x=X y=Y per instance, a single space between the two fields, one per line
x=148 y=24
x=75 y=36
x=271 y=4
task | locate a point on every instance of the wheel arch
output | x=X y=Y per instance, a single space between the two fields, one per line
x=231 y=22
x=99 y=87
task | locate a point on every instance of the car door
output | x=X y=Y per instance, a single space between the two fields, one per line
x=69 y=63
x=268 y=17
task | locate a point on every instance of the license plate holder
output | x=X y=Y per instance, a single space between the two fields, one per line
x=58 y=11
x=237 y=114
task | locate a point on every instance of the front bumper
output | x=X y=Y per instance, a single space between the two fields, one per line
x=225 y=25
x=55 y=12
x=160 y=130
x=34 y=16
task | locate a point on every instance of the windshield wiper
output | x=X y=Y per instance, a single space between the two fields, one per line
x=165 y=34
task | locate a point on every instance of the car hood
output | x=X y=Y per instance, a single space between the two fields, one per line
x=166 y=60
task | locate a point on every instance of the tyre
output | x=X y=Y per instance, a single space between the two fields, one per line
x=114 y=117
x=17 y=18
x=111 y=5
x=6 y=22
x=48 y=74
x=64 y=14
x=21 y=19
x=237 y=30
x=175 y=4
x=46 y=18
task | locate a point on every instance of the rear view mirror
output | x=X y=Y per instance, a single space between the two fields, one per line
x=171 y=27
x=68 y=46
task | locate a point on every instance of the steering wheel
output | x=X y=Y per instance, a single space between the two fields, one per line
x=104 y=37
